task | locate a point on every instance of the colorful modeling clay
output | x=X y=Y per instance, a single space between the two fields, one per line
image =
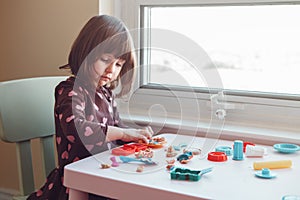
x=114 y=162
x=126 y=159
x=136 y=146
x=128 y=149
x=120 y=151
x=272 y=164
x=157 y=142
x=159 y=139
x=171 y=152
x=185 y=157
x=140 y=168
x=178 y=147
x=171 y=164
x=195 y=151
x=147 y=153
x=105 y=166
x=187 y=174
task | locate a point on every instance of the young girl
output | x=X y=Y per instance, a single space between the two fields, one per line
x=86 y=117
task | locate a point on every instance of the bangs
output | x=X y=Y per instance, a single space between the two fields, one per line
x=120 y=46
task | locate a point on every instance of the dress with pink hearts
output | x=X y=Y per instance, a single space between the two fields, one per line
x=81 y=119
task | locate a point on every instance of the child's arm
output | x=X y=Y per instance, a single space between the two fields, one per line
x=126 y=135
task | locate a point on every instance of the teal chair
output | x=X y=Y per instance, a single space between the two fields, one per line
x=26 y=113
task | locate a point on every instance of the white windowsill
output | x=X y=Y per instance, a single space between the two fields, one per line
x=229 y=132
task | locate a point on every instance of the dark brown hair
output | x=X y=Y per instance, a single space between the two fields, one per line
x=102 y=34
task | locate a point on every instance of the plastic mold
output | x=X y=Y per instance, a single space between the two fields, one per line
x=217 y=156
x=286 y=148
x=178 y=173
x=128 y=149
x=226 y=149
x=265 y=173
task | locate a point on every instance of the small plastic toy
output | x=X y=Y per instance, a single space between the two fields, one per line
x=225 y=149
x=178 y=173
x=245 y=144
x=255 y=151
x=148 y=161
x=238 y=150
x=185 y=157
x=272 y=164
x=128 y=149
x=265 y=173
x=217 y=156
x=286 y=147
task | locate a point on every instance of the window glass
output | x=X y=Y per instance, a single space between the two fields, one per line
x=253 y=48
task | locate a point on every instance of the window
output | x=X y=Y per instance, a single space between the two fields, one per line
x=253 y=47
x=216 y=67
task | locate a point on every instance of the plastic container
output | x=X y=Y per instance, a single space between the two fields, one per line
x=238 y=150
x=217 y=156
x=255 y=151
x=225 y=149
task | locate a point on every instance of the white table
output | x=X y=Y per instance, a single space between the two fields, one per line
x=228 y=180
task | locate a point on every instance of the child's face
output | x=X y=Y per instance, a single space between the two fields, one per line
x=107 y=68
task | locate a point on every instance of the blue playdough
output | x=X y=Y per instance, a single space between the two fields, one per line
x=265 y=173
x=185 y=156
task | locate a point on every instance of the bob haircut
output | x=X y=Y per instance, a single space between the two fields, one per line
x=102 y=34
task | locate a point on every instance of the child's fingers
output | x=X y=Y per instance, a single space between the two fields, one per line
x=148 y=132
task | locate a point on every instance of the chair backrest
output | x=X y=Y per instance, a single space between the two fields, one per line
x=27 y=112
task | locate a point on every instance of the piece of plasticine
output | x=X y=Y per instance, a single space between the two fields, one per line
x=272 y=164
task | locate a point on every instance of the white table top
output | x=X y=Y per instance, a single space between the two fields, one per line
x=228 y=180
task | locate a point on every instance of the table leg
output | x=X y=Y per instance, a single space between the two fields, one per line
x=77 y=195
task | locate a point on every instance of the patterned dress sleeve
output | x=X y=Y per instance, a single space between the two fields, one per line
x=71 y=107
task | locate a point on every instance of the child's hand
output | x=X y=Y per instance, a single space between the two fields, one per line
x=137 y=134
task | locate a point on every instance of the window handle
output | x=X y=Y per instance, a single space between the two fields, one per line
x=220 y=106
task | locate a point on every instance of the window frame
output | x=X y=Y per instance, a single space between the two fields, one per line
x=264 y=117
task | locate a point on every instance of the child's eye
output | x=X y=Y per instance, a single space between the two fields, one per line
x=119 y=65
x=105 y=60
